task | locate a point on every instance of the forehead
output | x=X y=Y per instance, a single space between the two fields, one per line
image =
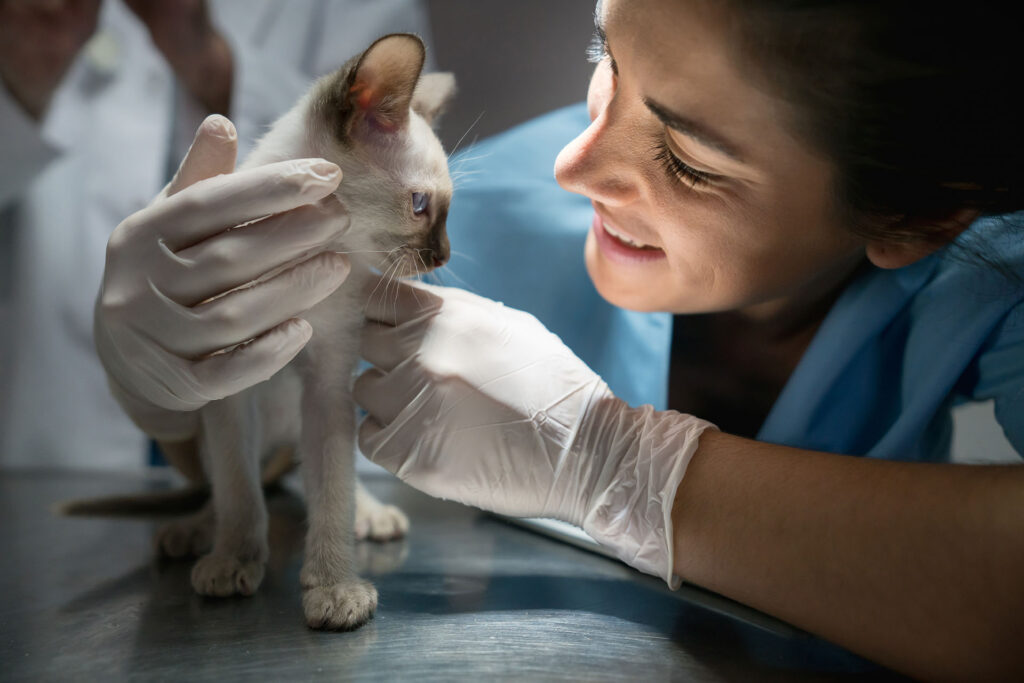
x=681 y=54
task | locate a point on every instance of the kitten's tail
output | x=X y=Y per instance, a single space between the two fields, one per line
x=176 y=501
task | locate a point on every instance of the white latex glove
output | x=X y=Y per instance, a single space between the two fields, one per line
x=479 y=403
x=169 y=330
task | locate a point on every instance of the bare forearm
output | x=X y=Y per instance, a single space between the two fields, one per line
x=194 y=48
x=915 y=566
x=208 y=74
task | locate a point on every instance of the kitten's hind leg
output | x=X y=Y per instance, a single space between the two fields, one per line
x=377 y=521
x=333 y=596
x=230 y=446
x=189 y=536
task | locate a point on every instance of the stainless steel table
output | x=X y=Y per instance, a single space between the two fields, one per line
x=465 y=597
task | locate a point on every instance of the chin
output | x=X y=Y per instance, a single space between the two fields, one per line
x=616 y=292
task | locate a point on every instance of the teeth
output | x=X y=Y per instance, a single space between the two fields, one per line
x=623 y=238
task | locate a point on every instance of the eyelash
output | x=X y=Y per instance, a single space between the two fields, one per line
x=678 y=170
x=597 y=51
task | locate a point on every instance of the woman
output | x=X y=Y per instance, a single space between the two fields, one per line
x=752 y=166
x=732 y=176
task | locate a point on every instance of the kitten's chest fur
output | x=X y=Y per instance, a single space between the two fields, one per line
x=330 y=358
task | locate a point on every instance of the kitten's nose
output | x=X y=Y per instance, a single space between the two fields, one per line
x=440 y=251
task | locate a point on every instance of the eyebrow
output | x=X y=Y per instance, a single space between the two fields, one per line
x=694 y=129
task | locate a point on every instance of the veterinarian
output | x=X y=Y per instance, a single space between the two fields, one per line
x=829 y=196
x=98 y=102
x=800 y=220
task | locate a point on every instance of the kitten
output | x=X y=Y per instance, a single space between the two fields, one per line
x=373 y=118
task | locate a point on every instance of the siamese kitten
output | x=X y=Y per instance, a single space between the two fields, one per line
x=373 y=118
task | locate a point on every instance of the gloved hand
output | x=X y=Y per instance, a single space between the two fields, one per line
x=480 y=403
x=178 y=322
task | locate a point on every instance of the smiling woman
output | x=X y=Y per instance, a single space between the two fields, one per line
x=686 y=155
x=798 y=182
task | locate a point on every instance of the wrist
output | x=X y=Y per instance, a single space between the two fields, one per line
x=160 y=424
x=630 y=503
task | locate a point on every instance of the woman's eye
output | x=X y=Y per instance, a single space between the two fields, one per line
x=420 y=203
x=597 y=51
x=680 y=170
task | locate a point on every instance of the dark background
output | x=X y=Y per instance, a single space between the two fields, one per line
x=512 y=60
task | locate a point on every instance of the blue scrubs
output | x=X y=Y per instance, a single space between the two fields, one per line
x=897 y=351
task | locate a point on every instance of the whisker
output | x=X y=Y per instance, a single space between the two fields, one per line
x=460 y=282
x=465 y=255
x=475 y=121
x=466 y=159
x=384 y=279
x=390 y=274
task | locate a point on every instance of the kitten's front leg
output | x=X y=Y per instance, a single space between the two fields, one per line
x=230 y=447
x=334 y=597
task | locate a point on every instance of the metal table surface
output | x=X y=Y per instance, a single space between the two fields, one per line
x=464 y=597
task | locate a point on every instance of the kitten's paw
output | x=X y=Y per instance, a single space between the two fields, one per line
x=189 y=537
x=376 y=521
x=340 y=607
x=224 y=575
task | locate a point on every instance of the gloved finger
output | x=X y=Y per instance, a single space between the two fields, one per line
x=237 y=257
x=213 y=205
x=212 y=153
x=385 y=346
x=228 y=373
x=385 y=395
x=387 y=447
x=403 y=301
x=247 y=313
x=457 y=294
x=370 y=438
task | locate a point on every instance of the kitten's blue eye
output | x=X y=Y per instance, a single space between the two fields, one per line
x=420 y=202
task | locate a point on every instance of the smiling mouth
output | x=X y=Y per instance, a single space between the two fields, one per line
x=626 y=240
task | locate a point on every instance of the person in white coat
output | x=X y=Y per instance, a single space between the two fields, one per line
x=98 y=104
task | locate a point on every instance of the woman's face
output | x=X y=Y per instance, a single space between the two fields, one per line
x=688 y=159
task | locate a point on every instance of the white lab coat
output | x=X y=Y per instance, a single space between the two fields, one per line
x=115 y=130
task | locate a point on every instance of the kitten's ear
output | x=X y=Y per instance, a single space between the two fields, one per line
x=432 y=95
x=383 y=80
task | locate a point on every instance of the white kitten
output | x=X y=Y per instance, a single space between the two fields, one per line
x=373 y=118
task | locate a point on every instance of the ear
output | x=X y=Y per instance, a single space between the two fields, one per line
x=383 y=81
x=893 y=254
x=432 y=95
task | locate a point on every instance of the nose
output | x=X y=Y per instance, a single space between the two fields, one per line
x=601 y=162
x=438 y=247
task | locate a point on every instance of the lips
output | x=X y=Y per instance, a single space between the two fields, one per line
x=618 y=246
x=624 y=238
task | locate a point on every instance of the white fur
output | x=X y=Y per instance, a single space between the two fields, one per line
x=308 y=403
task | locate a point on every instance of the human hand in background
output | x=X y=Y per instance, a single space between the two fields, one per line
x=38 y=41
x=479 y=403
x=175 y=324
x=192 y=46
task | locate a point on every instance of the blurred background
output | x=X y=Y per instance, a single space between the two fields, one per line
x=513 y=60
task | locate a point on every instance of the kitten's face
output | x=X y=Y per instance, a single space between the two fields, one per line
x=373 y=118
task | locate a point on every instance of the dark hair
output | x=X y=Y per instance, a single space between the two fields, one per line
x=916 y=103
